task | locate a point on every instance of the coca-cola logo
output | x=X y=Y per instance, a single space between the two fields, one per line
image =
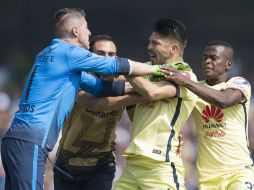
x=216 y=134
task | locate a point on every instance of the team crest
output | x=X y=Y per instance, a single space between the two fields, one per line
x=212 y=112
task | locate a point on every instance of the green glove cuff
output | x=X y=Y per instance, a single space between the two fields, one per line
x=157 y=71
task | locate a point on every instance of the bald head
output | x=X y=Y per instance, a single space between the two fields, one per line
x=66 y=19
x=226 y=49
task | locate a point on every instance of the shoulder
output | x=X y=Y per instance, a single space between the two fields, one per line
x=67 y=48
x=238 y=81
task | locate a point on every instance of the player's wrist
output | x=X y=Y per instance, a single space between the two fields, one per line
x=189 y=83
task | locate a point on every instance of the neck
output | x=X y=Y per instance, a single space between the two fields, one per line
x=72 y=41
x=217 y=80
x=174 y=59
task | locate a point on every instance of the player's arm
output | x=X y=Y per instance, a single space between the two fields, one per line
x=137 y=68
x=83 y=60
x=152 y=90
x=128 y=89
x=106 y=103
x=222 y=99
x=100 y=87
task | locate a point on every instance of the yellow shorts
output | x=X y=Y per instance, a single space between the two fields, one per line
x=239 y=180
x=143 y=173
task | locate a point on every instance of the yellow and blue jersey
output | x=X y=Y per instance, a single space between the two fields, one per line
x=223 y=133
x=156 y=125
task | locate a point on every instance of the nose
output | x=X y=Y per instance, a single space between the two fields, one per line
x=89 y=32
x=149 y=47
x=207 y=61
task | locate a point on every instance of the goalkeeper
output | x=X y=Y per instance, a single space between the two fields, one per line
x=49 y=93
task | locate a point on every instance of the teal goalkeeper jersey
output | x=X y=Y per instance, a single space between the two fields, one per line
x=52 y=86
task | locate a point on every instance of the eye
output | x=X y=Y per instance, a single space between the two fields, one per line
x=101 y=53
x=156 y=43
x=214 y=58
x=111 y=54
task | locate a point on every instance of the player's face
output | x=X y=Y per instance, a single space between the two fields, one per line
x=105 y=48
x=84 y=34
x=159 y=49
x=214 y=61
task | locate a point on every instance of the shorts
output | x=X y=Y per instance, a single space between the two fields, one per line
x=24 y=164
x=239 y=180
x=143 y=173
x=89 y=178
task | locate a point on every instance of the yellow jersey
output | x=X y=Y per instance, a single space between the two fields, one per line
x=156 y=125
x=88 y=137
x=223 y=133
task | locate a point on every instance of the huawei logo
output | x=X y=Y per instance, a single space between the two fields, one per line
x=212 y=112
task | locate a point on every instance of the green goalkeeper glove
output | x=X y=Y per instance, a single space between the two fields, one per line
x=157 y=71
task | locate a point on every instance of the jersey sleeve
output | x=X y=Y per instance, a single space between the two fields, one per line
x=240 y=83
x=100 y=87
x=80 y=59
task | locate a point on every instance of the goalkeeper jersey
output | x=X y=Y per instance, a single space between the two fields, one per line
x=51 y=88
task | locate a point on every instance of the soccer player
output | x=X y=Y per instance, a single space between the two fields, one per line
x=152 y=159
x=221 y=116
x=49 y=94
x=86 y=148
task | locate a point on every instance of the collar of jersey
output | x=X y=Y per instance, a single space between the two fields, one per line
x=181 y=66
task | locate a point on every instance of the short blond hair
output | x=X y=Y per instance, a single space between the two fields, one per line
x=63 y=16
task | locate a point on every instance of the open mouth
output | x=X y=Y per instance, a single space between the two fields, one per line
x=152 y=56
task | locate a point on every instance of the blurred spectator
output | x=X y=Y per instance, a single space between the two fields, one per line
x=189 y=154
x=49 y=174
x=122 y=140
x=251 y=127
x=5 y=117
x=5 y=113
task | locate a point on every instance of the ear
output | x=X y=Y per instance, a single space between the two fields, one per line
x=75 y=31
x=229 y=64
x=175 y=48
